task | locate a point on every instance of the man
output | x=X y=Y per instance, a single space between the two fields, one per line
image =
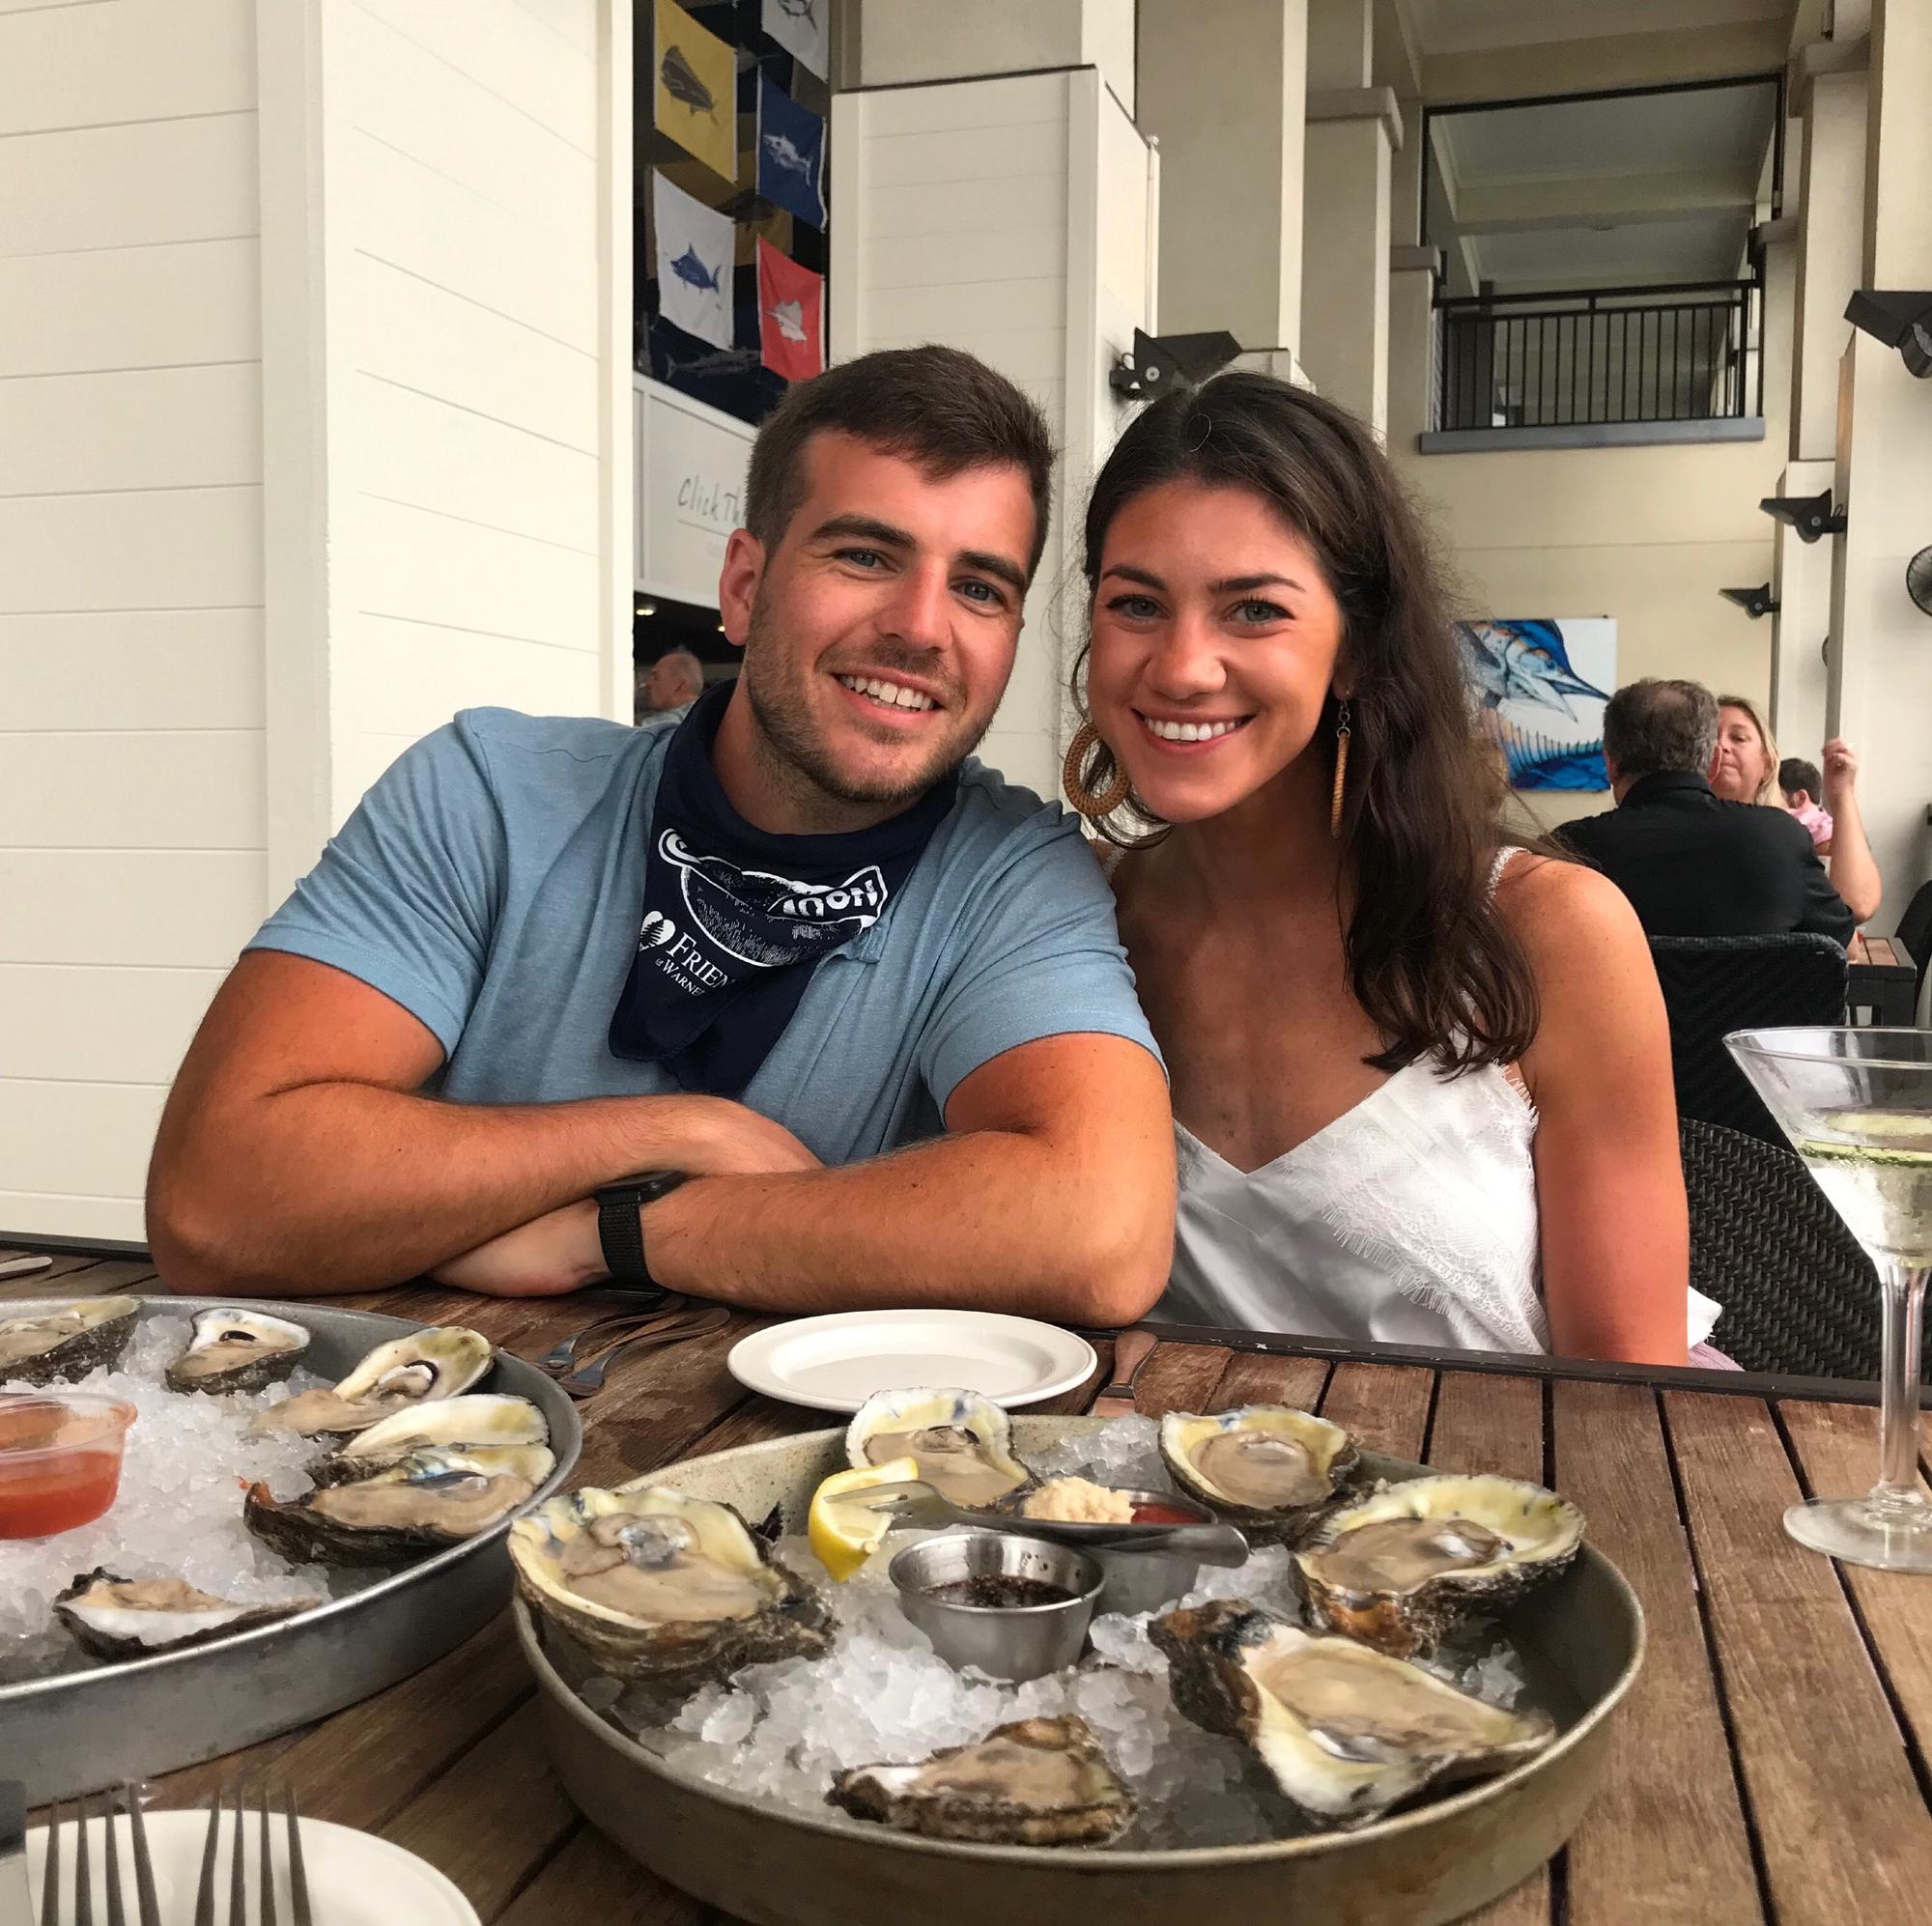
x=1691 y=864
x=670 y=684
x=715 y=972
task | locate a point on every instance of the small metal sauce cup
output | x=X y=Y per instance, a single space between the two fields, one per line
x=1143 y=1582
x=1013 y=1642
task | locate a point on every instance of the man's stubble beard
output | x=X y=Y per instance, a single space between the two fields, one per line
x=775 y=688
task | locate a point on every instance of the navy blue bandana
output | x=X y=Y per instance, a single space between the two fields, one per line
x=735 y=919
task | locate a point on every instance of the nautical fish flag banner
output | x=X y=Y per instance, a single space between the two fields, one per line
x=696 y=91
x=791 y=315
x=791 y=154
x=695 y=247
x=803 y=28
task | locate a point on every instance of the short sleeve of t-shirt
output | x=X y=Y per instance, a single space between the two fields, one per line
x=407 y=892
x=1044 y=959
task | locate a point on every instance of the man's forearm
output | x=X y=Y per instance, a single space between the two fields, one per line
x=991 y=1220
x=345 y=1186
x=1855 y=871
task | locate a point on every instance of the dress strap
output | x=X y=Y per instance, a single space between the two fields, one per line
x=1501 y=861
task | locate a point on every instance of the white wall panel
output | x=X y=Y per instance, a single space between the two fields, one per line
x=147 y=428
x=132 y=793
x=148 y=669
x=159 y=306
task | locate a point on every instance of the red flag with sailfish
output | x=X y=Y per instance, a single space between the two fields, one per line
x=791 y=315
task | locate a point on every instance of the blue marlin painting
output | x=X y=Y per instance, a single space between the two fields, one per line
x=1532 y=699
x=689 y=269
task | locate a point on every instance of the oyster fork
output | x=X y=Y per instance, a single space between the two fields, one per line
x=238 y=1872
x=145 y=1902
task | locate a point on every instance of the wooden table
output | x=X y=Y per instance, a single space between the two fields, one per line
x=1772 y=1766
x=1882 y=977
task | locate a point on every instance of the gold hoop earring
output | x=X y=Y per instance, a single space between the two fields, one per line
x=1340 y=770
x=1092 y=804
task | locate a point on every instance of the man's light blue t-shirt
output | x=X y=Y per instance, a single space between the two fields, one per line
x=493 y=881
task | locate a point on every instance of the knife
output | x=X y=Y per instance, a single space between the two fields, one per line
x=1131 y=1352
x=16 y=1892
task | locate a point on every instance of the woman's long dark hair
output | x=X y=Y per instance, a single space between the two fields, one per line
x=1437 y=970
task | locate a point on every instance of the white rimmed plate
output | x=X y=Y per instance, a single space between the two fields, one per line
x=354 y=1878
x=835 y=1363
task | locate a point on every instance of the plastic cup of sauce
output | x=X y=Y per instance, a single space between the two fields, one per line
x=60 y=1458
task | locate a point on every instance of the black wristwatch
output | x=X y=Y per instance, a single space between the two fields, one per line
x=618 y=1231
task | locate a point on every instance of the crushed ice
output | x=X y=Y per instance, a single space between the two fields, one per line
x=178 y=1513
x=881 y=1694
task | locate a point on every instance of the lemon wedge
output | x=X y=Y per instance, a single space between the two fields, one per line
x=843 y=1535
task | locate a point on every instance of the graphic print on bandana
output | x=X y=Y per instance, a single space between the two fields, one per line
x=759 y=917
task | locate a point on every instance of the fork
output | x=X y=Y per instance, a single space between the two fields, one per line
x=237 y=1875
x=588 y=1381
x=560 y=1359
x=145 y=1902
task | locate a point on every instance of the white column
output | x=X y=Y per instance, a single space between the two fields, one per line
x=1351 y=135
x=1221 y=87
x=1831 y=237
x=1802 y=582
x=1881 y=694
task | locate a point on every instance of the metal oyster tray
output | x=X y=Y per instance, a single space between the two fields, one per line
x=79 y=1731
x=1580 y=1638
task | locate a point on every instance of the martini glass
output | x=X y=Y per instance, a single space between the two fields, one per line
x=1856 y=1105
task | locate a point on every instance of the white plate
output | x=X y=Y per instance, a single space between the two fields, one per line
x=835 y=1363
x=354 y=1878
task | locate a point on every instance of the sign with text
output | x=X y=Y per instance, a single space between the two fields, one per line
x=691 y=492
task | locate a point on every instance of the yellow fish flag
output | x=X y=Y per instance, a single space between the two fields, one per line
x=697 y=92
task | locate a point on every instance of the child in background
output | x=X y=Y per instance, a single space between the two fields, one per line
x=1803 y=785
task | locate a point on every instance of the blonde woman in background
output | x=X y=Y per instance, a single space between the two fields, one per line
x=1745 y=770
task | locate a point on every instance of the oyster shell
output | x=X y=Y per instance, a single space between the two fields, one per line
x=662 y=1589
x=479 y=1419
x=69 y=1343
x=1269 y=1468
x=1398 y=1569
x=1034 y=1782
x=420 y=1504
x=113 y=1617
x=429 y=1363
x=232 y=1350
x=1345 y=1731
x=534 y=1462
x=960 y=1438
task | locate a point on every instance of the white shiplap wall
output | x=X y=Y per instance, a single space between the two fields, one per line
x=131 y=787
x=314 y=405
x=462 y=245
x=1008 y=216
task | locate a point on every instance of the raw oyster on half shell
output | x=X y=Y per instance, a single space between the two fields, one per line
x=1398 y=1569
x=232 y=1350
x=479 y=1419
x=1269 y=1468
x=427 y=1365
x=69 y=1343
x=1345 y=1731
x=662 y=1589
x=134 y=1618
x=1034 y=1782
x=961 y=1441
x=422 y=1503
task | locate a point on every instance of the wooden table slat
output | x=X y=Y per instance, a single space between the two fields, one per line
x=494 y=1819
x=1179 y=1377
x=1837 y=1450
x=1814 y=1736
x=1669 y=1823
x=590 y=1880
x=1384 y=1407
x=1254 y=1379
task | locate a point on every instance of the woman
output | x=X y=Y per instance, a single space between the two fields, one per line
x=1745 y=770
x=1390 y=1036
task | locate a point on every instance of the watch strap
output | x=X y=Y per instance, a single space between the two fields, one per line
x=620 y=1233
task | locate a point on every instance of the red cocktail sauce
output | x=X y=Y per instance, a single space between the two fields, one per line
x=71 y=1491
x=1163 y=1514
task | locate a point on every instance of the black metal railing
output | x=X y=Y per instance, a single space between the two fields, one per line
x=1604 y=355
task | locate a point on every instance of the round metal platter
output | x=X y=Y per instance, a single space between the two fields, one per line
x=1580 y=1640
x=76 y=1732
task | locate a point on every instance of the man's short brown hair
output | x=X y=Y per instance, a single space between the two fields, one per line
x=940 y=408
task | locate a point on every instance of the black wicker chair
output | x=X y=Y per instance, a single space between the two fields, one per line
x=1715 y=984
x=1799 y=1293
x=1914 y=928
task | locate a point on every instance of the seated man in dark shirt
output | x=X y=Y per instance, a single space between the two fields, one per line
x=1691 y=864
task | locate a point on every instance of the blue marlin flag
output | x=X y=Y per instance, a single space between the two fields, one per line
x=791 y=154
